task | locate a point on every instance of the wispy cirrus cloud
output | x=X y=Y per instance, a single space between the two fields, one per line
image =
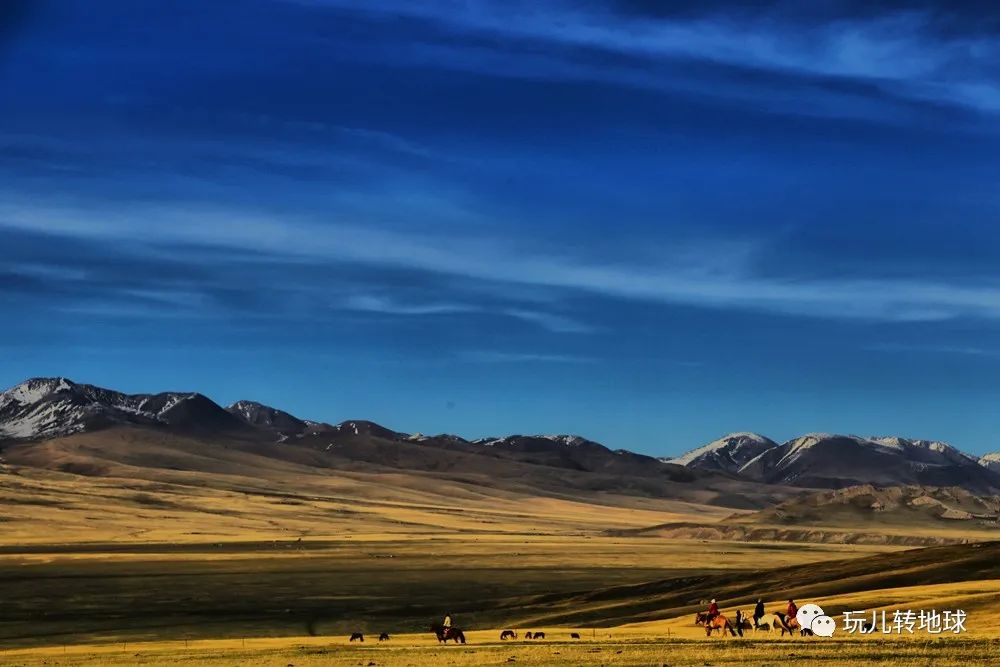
x=961 y=350
x=676 y=279
x=550 y=321
x=900 y=53
x=505 y=357
x=386 y=306
x=376 y=304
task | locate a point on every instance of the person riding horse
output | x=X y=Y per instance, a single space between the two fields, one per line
x=713 y=611
x=793 y=610
x=758 y=613
x=446 y=624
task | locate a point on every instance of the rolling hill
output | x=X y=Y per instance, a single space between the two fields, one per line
x=673 y=597
x=860 y=505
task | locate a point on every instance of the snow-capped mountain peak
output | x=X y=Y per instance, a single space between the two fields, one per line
x=991 y=461
x=728 y=453
x=50 y=407
x=831 y=460
x=34 y=390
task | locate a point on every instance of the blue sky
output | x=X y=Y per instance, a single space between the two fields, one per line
x=647 y=223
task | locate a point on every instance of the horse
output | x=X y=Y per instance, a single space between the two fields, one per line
x=700 y=618
x=539 y=635
x=574 y=635
x=767 y=623
x=787 y=624
x=528 y=635
x=384 y=637
x=508 y=634
x=444 y=634
x=357 y=636
x=720 y=623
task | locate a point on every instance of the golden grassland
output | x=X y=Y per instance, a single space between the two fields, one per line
x=231 y=566
x=485 y=649
x=980 y=599
x=65 y=594
x=190 y=507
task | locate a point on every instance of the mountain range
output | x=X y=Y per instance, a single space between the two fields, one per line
x=733 y=469
x=824 y=460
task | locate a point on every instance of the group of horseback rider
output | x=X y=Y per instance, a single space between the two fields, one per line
x=758 y=611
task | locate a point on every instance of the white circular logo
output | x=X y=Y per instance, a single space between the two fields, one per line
x=823 y=626
x=807 y=614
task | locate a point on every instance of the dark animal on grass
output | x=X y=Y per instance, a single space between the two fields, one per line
x=357 y=636
x=508 y=634
x=444 y=634
x=384 y=637
x=700 y=618
x=539 y=635
x=528 y=635
x=574 y=635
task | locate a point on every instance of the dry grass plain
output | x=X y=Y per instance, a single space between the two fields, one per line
x=87 y=559
x=194 y=557
x=413 y=651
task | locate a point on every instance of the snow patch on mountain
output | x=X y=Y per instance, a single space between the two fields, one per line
x=728 y=453
x=51 y=407
x=33 y=391
x=507 y=440
x=991 y=461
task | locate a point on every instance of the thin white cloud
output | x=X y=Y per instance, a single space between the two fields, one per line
x=901 y=53
x=556 y=323
x=379 y=304
x=376 y=304
x=501 y=357
x=669 y=279
x=962 y=350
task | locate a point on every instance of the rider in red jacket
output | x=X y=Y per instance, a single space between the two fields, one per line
x=713 y=610
x=793 y=609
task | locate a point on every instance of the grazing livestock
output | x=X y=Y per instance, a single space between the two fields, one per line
x=357 y=636
x=384 y=637
x=528 y=635
x=508 y=634
x=539 y=635
x=574 y=635
x=443 y=634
